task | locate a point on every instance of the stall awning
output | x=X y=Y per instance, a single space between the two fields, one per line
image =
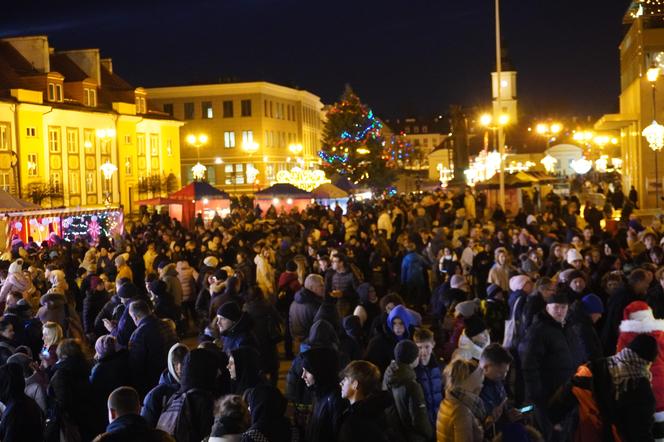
x=328 y=191
x=282 y=190
x=160 y=201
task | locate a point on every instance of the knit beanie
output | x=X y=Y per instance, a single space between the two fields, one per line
x=560 y=297
x=95 y=281
x=128 y=290
x=474 y=326
x=406 y=352
x=564 y=276
x=466 y=308
x=211 y=261
x=162 y=264
x=16 y=266
x=230 y=310
x=458 y=281
x=492 y=290
x=573 y=255
x=24 y=361
x=158 y=287
x=105 y=346
x=645 y=346
x=221 y=275
x=323 y=363
x=571 y=276
x=518 y=282
x=592 y=304
x=291 y=266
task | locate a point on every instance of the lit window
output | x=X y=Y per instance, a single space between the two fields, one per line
x=206 y=108
x=140 y=144
x=229 y=140
x=58 y=92
x=4 y=181
x=72 y=141
x=90 y=182
x=154 y=145
x=32 y=164
x=90 y=97
x=247 y=137
x=54 y=139
x=5 y=137
x=74 y=183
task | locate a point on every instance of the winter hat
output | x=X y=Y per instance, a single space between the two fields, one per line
x=211 y=261
x=573 y=255
x=291 y=266
x=571 y=276
x=105 y=346
x=592 y=304
x=24 y=361
x=518 y=282
x=95 y=281
x=56 y=277
x=645 y=346
x=230 y=310
x=363 y=290
x=128 y=290
x=406 y=352
x=162 y=264
x=323 y=363
x=474 y=326
x=16 y=266
x=560 y=297
x=458 y=282
x=220 y=275
x=171 y=367
x=635 y=225
x=158 y=287
x=638 y=311
x=564 y=276
x=119 y=260
x=466 y=308
x=531 y=219
x=492 y=290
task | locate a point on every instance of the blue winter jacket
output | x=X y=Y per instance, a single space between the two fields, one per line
x=430 y=377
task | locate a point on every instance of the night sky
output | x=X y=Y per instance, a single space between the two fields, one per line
x=402 y=57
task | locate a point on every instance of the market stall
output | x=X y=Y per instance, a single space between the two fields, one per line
x=283 y=197
x=330 y=195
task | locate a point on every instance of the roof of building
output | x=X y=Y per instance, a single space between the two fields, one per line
x=64 y=65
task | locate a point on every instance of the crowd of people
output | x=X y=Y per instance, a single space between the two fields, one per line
x=419 y=317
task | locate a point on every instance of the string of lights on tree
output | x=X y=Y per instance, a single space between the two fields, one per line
x=353 y=144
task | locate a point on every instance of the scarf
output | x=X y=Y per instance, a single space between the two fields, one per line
x=626 y=366
x=470 y=400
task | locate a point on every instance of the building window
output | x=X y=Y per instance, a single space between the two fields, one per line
x=128 y=166
x=211 y=175
x=154 y=145
x=51 y=92
x=58 y=92
x=127 y=139
x=247 y=137
x=239 y=174
x=206 y=108
x=90 y=182
x=89 y=140
x=72 y=141
x=141 y=107
x=74 y=183
x=228 y=174
x=5 y=136
x=228 y=109
x=265 y=107
x=245 y=108
x=30 y=132
x=269 y=172
x=32 y=164
x=189 y=111
x=90 y=97
x=271 y=109
x=54 y=139
x=229 y=140
x=4 y=181
x=168 y=108
x=140 y=144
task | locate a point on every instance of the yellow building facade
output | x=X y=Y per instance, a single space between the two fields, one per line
x=75 y=128
x=250 y=129
x=642 y=48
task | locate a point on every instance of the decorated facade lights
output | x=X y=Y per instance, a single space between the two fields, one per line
x=445 y=174
x=108 y=169
x=198 y=171
x=303 y=179
x=654 y=133
x=602 y=163
x=519 y=166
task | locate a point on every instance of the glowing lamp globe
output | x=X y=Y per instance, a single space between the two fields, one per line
x=549 y=163
x=198 y=171
x=581 y=166
x=654 y=134
x=108 y=169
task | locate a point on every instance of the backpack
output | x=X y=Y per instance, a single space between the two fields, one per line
x=511 y=327
x=176 y=416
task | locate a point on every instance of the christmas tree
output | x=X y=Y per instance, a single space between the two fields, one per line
x=353 y=146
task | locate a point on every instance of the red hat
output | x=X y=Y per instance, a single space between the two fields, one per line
x=637 y=311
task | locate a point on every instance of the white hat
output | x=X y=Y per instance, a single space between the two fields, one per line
x=573 y=255
x=211 y=261
x=531 y=219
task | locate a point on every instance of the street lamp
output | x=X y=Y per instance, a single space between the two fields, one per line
x=654 y=133
x=198 y=171
x=108 y=169
x=548 y=130
x=296 y=149
x=250 y=147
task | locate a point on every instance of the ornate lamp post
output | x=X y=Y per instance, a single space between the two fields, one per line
x=108 y=169
x=198 y=171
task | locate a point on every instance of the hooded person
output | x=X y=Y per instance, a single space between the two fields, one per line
x=400 y=323
x=22 y=417
x=35 y=380
x=320 y=369
x=474 y=339
x=16 y=281
x=368 y=308
x=169 y=383
x=638 y=319
x=197 y=384
x=169 y=274
x=127 y=293
x=409 y=408
x=93 y=303
x=111 y=370
x=352 y=338
x=244 y=368
x=164 y=303
x=268 y=416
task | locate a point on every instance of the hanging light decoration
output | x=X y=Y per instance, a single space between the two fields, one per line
x=445 y=174
x=654 y=134
x=601 y=164
x=198 y=171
